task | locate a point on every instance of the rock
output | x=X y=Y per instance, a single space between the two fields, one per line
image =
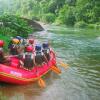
x=34 y=24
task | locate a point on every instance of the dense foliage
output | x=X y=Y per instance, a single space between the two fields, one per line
x=13 y=25
x=69 y=12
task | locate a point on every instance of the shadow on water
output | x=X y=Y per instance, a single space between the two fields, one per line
x=81 y=50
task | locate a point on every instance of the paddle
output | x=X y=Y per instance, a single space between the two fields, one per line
x=56 y=69
x=63 y=64
x=41 y=83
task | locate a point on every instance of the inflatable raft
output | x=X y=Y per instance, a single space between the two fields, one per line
x=15 y=74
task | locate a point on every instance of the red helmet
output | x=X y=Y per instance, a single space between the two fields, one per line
x=1 y=43
x=31 y=41
x=29 y=49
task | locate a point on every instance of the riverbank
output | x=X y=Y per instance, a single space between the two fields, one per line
x=80 y=25
x=37 y=26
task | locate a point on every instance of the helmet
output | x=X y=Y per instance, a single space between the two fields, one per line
x=29 y=49
x=15 y=41
x=31 y=41
x=45 y=45
x=1 y=43
x=38 y=47
x=19 y=37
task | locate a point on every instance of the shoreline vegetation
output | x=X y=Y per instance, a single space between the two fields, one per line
x=72 y=13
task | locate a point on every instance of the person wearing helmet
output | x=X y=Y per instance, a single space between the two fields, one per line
x=14 y=46
x=19 y=37
x=3 y=59
x=21 y=40
x=1 y=51
x=31 y=42
x=22 y=43
x=28 y=57
x=39 y=56
x=46 y=50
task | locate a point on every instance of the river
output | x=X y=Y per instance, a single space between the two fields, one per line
x=80 y=48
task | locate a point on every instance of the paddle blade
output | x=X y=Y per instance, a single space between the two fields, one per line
x=56 y=70
x=64 y=65
x=41 y=83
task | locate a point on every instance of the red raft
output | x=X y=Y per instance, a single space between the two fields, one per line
x=16 y=75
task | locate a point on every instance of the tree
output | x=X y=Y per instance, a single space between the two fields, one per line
x=66 y=15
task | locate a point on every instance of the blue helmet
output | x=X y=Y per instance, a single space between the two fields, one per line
x=19 y=37
x=38 y=47
x=45 y=45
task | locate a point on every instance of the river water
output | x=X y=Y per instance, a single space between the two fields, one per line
x=80 y=48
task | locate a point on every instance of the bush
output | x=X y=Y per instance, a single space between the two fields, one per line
x=70 y=19
x=97 y=26
x=81 y=24
x=94 y=26
x=6 y=31
x=49 y=17
x=66 y=16
x=15 y=25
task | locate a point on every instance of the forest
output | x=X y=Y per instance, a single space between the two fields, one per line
x=77 y=13
x=71 y=13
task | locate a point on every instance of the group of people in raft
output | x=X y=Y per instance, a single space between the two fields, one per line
x=29 y=53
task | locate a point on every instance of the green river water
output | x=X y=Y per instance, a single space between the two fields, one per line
x=80 y=48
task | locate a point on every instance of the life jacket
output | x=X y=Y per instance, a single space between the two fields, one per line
x=39 y=58
x=46 y=52
x=28 y=60
x=13 y=49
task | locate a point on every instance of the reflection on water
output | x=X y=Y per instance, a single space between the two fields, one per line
x=81 y=50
